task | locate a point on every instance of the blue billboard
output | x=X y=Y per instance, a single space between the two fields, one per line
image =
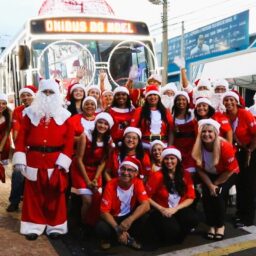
x=224 y=36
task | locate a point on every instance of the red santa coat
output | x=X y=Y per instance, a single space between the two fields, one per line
x=162 y=129
x=17 y=117
x=44 y=204
x=184 y=139
x=122 y=119
x=158 y=192
x=119 y=201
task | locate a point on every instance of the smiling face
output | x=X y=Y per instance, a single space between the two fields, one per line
x=89 y=108
x=102 y=126
x=131 y=140
x=202 y=109
x=181 y=102
x=152 y=100
x=156 y=152
x=127 y=174
x=26 y=99
x=78 y=94
x=230 y=103
x=170 y=161
x=94 y=93
x=208 y=134
x=121 y=98
x=107 y=98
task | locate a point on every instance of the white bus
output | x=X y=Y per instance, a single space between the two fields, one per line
x=58 y=46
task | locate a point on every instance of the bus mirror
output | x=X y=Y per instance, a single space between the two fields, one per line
x=24 y=57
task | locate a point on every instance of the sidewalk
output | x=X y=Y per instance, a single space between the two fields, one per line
x=12 y=243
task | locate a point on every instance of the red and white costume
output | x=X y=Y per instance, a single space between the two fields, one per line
x=224 y=123
x=158 y=192
x=122 y=119
x=184 y=139
x=7 y=146
x=43 y=206
x=120 y=201
x=92 y=159
x=156 y=128
x=17 y=116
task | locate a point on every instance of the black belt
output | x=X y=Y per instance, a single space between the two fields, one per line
x=46 y=149
x=155 y=137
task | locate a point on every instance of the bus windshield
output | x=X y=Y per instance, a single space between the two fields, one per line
x=67 y=59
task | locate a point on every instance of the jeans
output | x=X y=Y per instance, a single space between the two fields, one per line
x=16 y=188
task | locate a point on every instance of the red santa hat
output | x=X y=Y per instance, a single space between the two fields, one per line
x=152 y=89
x=220 y=82
x=133 y=129
x=105 y=116
x=96 y=87
x=209 y=121
x=31 y=89
x=204 y=82
x=169 y=86
x=121 y=89
x=171 y=151
x=49 y=84
x=132 y=161
x=3 y=97
x=90 y=98
x=204 y=100
x=156 y=142
x=231 y=94
x=155 y=77
x=182 y=93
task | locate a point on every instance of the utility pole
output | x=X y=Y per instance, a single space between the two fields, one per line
x=164 y=3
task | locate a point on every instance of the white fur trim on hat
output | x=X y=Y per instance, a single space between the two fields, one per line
x=90 y=98
x=152 y=92
x=169 y=86
x=105 y=116
x=49 y=84
x=156 y=77
x=75 y=86
x=231 y=94
x=131 y=164
x=203 y=100
x=27 y=90
x=171 y=151
x=107 y=91
x=209 y=121
x=203 y=82
x=88 y=88
x=220 y=82
x=121 y=89
x=181 y=93
x=155 y=142
x=133 y=129
x=3 y=97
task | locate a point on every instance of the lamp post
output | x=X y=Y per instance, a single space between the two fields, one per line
x=164 y=3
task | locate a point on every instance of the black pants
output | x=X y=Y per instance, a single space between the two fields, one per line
x=246 y=188
x=104 y=230
x=215 y=206
x=174 y=229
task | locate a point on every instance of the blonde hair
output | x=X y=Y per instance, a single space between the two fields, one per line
x=197 y=152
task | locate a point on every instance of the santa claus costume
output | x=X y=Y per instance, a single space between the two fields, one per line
x=43 y=153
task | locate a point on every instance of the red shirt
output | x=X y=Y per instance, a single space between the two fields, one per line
x=120 y=201
x=157 y=190
x=224 y=123
x=244 y=127
x=17 y=118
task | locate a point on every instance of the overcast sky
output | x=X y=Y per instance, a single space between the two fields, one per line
x=195 y=13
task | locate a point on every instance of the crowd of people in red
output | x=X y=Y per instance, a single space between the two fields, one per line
x=133 y=158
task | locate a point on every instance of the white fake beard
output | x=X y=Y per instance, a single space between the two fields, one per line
x=167 y=101
x=216 y=101
x=201 y=94
x=47 y=106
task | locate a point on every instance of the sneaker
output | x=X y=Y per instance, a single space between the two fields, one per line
x=105 y=245
x=12 y=208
